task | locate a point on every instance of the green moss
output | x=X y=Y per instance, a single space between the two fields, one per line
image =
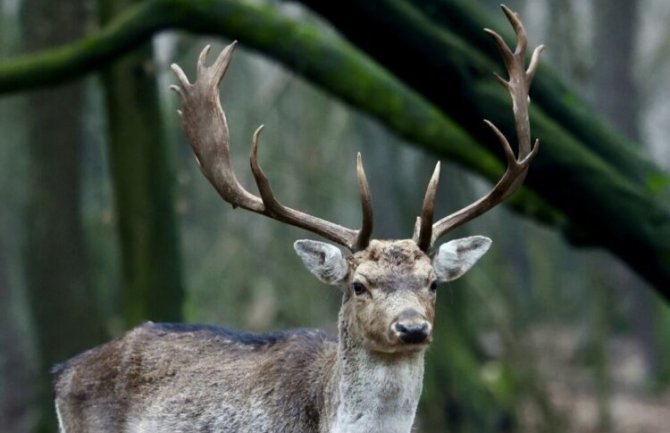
x=658 y=183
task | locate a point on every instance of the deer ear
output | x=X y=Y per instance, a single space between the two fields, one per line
x=456 y=257
x=323 y=260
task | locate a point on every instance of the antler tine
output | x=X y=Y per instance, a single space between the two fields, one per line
x=205 y=125
x=424 y=227
x=355 y=240
x=272 y=206
x=517 y=165
x=209 y=137
x=519 y=30
x=365 y=232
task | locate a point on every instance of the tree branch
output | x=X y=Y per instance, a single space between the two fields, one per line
x=334 y=65
x=613 y=209
x=616 y=198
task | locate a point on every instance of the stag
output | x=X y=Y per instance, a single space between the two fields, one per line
x=167 y=378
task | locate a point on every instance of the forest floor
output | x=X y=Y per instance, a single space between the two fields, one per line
x=631 y=404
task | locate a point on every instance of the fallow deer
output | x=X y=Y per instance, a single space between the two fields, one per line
x=169 y=378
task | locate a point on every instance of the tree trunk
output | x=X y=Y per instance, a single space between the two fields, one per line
x=15 y=366
x=143 y=182
x=618 y=98
x=62 y=303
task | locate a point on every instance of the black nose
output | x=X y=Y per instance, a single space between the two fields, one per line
x=411 y=332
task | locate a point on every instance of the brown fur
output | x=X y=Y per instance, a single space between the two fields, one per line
x=199 y=366
x=397 y=275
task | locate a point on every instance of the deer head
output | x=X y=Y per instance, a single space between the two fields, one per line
x=389 y=287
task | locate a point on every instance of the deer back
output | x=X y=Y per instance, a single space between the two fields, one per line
x=166 y=377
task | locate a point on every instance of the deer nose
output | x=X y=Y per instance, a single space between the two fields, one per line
x=411 y=327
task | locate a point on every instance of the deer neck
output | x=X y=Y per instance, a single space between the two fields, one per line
x=373 y=392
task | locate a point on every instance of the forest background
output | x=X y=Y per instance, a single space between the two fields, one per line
x=105 y=220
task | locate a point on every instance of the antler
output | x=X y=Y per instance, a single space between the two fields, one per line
x=518 y=84
x=205 y=125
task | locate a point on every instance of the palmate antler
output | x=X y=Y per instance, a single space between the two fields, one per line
x=205 y=125
x=427 y=233
x=204 y=122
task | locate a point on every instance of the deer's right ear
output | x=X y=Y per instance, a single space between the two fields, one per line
x=323 y=260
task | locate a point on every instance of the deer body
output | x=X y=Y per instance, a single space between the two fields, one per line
x=238 y=382
x=165 y=378
x=149 y=380
x=369 y=379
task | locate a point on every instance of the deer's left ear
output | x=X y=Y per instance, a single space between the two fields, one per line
x=456 y=257
x=323 y=260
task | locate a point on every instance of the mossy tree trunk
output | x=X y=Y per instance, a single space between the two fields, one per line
x=143 y=182
x=60 y=296
x=15 y=365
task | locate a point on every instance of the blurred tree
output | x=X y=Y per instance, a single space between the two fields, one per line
x=15 y=365
x=63 y=306
x=617 y=98
x=601 y=174
x=615 y=41
x=143 y=182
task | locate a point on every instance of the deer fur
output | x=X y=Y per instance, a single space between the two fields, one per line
x=166 y=378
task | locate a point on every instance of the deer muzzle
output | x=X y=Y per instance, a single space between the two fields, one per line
x=411 y=327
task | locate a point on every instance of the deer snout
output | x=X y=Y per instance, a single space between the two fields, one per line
x=412 y=327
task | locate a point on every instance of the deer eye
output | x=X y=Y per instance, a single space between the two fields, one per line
x=358 y=288
x=433 y=286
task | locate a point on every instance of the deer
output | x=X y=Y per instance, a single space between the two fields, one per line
x=162 y=377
